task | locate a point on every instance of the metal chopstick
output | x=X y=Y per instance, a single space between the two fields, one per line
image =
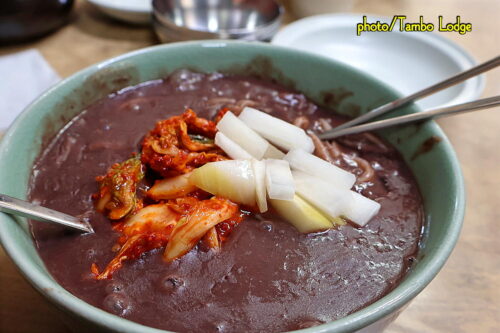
x=476 y=70
x=420 y=116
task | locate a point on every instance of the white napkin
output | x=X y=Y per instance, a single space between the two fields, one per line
x=23 y=76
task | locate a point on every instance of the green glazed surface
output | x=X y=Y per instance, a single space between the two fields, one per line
x=437 y=171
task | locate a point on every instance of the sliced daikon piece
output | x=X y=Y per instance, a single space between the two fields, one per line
x=232 y=179
x=231 y=148
x=279 y=180
x=324 y=196
x=317 y=167
x=259 y=171
x=277 y=131
x=304 y=217
x=361 y=209
x=273 y=152
x=171 y=188
x=242 y=135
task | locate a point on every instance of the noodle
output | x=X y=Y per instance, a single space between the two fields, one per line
x=320 y=149
x=243 y=103
x=236 y=106
x=330 y=151
x=376 y=141
x=302 y=122
x=368 y=172
x=333 y=149
x=325 y=124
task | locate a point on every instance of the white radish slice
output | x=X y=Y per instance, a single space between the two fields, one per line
x=317 y=167
x=324 y=196
x=259 y=171
x=279 y=180
x=304 y=217
x=273 y=152
x=231 y=148
x=242 y=135
x=361 y=209
x=279 y=132
x=232 y=179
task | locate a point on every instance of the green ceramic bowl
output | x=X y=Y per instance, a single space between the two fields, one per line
x=348 y=90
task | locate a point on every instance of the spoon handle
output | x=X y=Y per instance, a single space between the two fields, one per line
x=23 y=208
x=476 y=70
x=414 y=117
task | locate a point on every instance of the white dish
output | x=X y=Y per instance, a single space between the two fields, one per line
x=407 y=61
x=131 y=11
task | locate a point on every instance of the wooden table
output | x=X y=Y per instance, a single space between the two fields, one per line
x=465 y=297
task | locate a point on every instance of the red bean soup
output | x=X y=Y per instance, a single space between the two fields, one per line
x=264 y=275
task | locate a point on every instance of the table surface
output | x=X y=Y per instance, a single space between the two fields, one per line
x=464 y=297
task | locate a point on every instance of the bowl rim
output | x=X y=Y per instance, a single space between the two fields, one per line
x=390 y=303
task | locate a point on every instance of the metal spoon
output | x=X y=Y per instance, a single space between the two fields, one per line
x=480 y=104
x=26 y=209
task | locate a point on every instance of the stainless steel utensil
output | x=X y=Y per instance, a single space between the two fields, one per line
x=347 y=128
x=26 y=209
x=177 y=20
x=480 y=104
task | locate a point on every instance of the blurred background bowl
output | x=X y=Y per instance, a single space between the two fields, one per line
x=179 y=20
x=130 y=11
x=21 y=20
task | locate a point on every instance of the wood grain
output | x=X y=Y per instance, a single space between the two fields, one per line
x=465 y=297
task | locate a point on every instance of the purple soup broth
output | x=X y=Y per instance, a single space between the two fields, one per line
x=267 y=277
